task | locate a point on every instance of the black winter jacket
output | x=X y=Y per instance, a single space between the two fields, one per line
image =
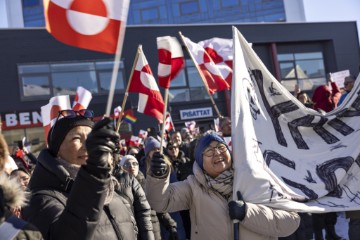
x=64 y=208
x=131 y=190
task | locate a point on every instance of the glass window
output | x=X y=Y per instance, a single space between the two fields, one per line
x=179 y=81
x=105 y=80
x=64 y=78
x=179 y=95
x=67 y=82
x=149 y=14
x=35 y=85
x=307 y=70
x=187 y=8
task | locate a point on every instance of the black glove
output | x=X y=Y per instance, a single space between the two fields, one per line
x=158 y=165
x=237 y=209
x=101 y=144
x=173 y=234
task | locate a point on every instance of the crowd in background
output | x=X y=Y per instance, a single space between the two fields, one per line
x=86 y=185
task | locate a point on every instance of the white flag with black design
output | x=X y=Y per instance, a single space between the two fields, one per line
x=286 y=155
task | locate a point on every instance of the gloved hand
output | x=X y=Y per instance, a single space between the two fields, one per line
x=237 y=209
x=173 y=234
x=158 y=165
x=101 y=144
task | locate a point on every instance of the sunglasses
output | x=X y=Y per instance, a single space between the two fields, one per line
x=69 y=113
x=172 y=148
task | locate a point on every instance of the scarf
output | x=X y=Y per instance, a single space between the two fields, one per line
x=223 y=183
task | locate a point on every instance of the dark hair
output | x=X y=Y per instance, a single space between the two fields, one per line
x=19 y=169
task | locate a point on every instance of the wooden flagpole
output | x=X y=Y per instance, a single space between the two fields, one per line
x=115 y=70
x=166 y=97
x=202 y=76
x=139 y=50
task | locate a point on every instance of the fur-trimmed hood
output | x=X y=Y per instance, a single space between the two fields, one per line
x=11 y=193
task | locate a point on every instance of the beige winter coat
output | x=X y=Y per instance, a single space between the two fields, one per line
x=209 y=211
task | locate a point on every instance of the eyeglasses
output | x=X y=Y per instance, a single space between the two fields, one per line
x=69 y=113
x=130 y=164
x=210 y=151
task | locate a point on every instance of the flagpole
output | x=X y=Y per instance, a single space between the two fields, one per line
x=115 y=68
x=166 y=96
x=202 y=76
x=127 y=88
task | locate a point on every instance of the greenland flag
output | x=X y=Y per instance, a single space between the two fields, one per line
x=117 y=112
x=50 y=111
x=93 y=25
x=220 y=51
x=171 y=59
x=82 y=99
x=143 y=82
x=208 y=68
x=169 y=125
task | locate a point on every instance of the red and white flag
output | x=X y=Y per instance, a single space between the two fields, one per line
x=143 y=134
x=50 y=111
x=117 y=112
x=143 y=82
x=214 y=79
x=221 y=52
x=93 y=25
x=82 y=99
x=135 y=141
x=171 y=59
x=190 y=125
x=169 y=125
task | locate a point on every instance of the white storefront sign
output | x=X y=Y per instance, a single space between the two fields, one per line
x=196 y=113
x=22 y=119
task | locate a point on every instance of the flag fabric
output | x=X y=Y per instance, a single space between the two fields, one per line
x=286 y=155
x=82 y=99
x=142 y=134
x=220 y=51
x=130 y=119
x=117 y=112
x=93 y=25
x=50 y=111
x=169 y=125
x=143 y=82
x=190 y=125
x=135 y=141
x=216 y=124
x=214 y=80
x=171 y=59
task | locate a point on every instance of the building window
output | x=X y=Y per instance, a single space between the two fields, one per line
x=307 y=70
x=149 y=14
x=188 y=8
x=188 y=86
x=41 y=81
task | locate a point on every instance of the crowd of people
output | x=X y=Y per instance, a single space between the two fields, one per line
x=86 y=185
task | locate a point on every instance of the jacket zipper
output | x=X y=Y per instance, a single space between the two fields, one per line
x=112 y=221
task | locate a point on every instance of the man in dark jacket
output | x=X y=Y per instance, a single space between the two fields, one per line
x=73 y=192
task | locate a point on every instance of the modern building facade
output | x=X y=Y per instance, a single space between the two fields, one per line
x=41 y=67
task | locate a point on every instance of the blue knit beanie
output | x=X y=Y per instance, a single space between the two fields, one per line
x=203 y=143
x=151 y=144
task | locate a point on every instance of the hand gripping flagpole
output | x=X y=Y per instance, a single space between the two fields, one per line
x=202 y=77
x=139 y=50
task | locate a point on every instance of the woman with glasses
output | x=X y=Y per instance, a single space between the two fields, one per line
x=208 y=196
x=73 y=192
